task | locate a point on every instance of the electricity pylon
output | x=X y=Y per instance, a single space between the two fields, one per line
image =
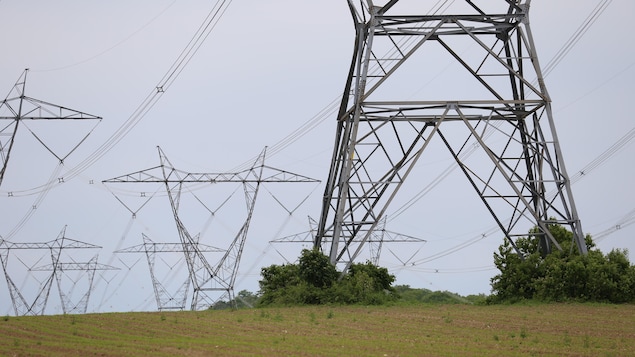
x=20 y=305
x=208 y=279
x=488 y=104
x=17 y=107
x=87 y=271
x=376 y=241
x=165 y=299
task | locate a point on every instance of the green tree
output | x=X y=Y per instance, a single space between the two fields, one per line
x=314 y=280
x=367 y=284
x=244 y=299
x=380 y=279
x=276 y=283
x=315 y=269
x=563 y=274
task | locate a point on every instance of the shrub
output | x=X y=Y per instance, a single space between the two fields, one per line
x=562 y=275
x=315 y=281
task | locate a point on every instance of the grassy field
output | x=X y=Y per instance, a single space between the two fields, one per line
x=431 y=330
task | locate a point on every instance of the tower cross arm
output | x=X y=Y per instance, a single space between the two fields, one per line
x=177 y=176
x=271 y=174
x=167 y=248
x=65 y=243
x=489 y=18
x=72 y=243
x=75 y=266
x=35 y=109
x=152 y=174
x=11 y=245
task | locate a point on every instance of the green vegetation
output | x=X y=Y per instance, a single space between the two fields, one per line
x=562 y=275
x=315 y=281
x=415 y=322
x=413 y=296
x=571 y=329
x=244 y=300
x=402 y=295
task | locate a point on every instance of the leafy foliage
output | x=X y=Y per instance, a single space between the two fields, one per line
x=562 y=275
x=314 y=280
x=315 y=269
x=244 y=300
x=414 y=296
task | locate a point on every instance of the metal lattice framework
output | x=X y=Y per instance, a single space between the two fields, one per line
x=490 y=106
x=207 y=279
x=20 y=304
x=376 y=241
x=18 y=107
x=87 y=271
x=165 y=299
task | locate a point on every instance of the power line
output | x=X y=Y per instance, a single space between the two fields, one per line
x=625 y=221
x=576 y=36
x=330 y=109
x=111 y=47
x=186 y=55
x=604 y=156
x=153 y=97
x=210 y=22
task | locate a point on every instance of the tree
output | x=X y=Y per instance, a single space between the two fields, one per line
x=244 y=299
x=316 y=270
x=563 y=274
x=276 y=283
x=314 y=280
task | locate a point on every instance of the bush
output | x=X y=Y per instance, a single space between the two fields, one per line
x=562 y=275
x=314 y=280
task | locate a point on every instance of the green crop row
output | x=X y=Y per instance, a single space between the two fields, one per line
x=439 y=330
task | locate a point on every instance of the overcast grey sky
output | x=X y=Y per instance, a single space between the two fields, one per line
x=265 y=70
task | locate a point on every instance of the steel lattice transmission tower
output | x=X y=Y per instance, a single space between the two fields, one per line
x=165 y=299
x=486 y=104
x=20 y=304
x=207 y=278
x=87 y=272
x=379 y=237
x=17 y=107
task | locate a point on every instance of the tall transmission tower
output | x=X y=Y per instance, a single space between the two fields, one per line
x=486 y=101
x=207 y=279
x=18 y=107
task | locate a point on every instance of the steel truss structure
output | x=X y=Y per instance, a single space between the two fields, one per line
x=87 y=271
x=165 y=299
x=376 y=241
x=57 y=268
x=207 y=279
x=494 y=109
x=20 y=107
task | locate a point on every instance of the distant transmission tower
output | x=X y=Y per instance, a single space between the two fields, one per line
x=21 y=306
x=18 y=107
x=485 y=104
x=165 y=299
x=86 y=271
x=208 y=279
x=376 y=241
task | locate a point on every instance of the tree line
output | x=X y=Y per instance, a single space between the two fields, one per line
x=524 y=275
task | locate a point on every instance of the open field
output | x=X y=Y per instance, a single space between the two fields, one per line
x=431 y=330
